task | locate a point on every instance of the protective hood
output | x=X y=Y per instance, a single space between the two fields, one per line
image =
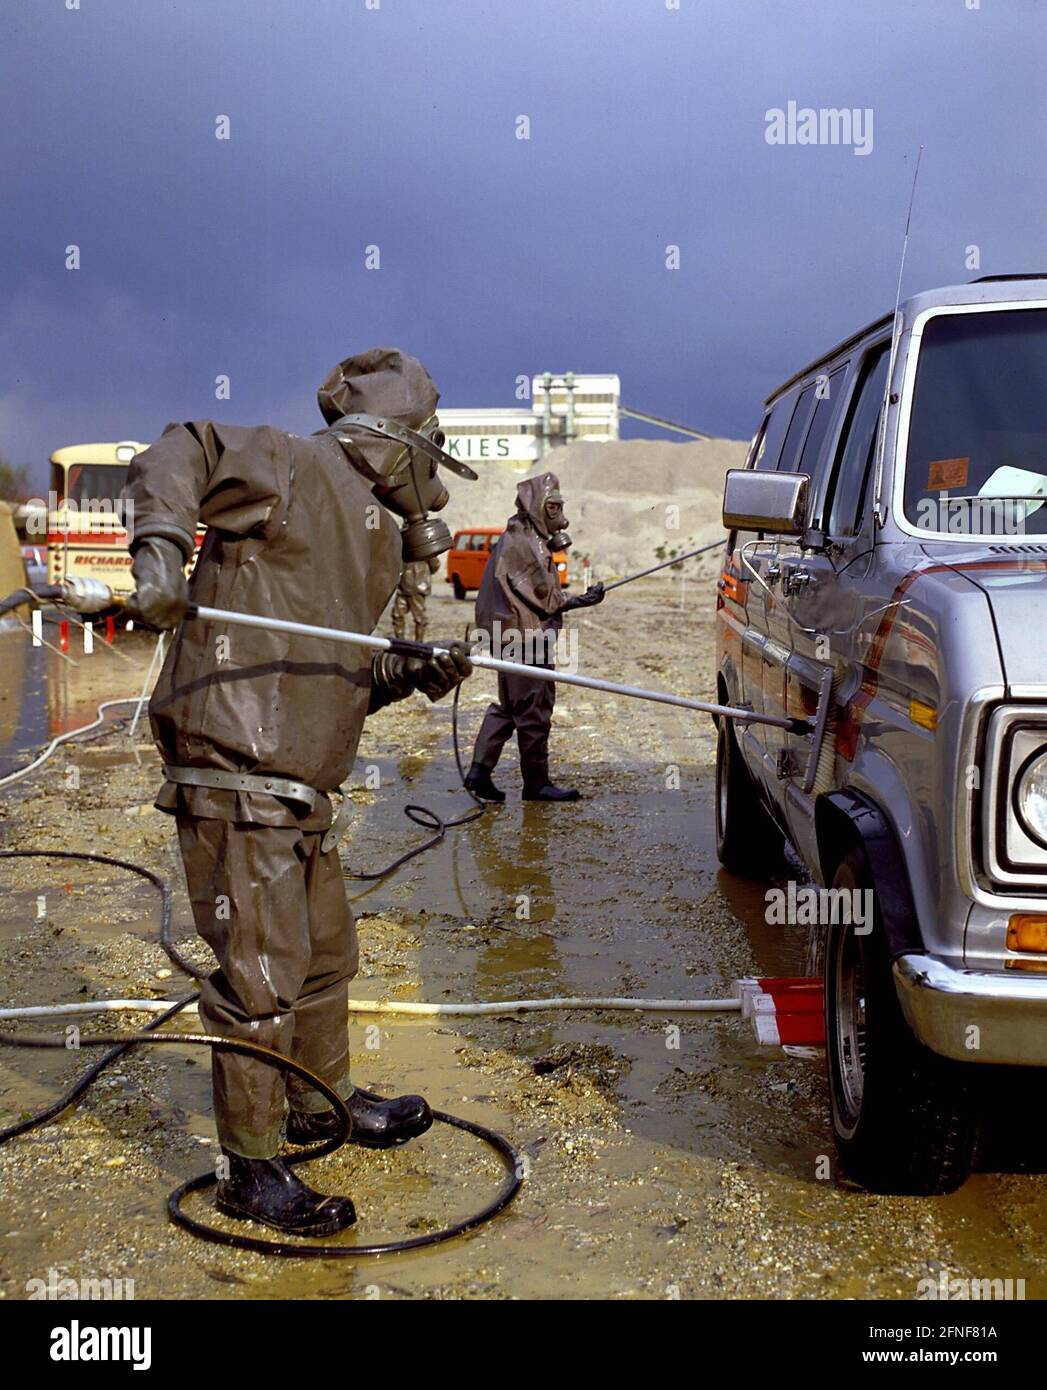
x=384 y=382
x=530 y=500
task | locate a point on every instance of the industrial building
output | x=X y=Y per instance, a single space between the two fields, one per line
x=564 y=407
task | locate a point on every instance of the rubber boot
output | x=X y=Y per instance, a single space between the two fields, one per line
x=266 y=1190
x=478 y=781
x=549 y=792
x=377 y=1123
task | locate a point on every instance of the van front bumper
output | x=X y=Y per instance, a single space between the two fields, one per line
x=974 y=1016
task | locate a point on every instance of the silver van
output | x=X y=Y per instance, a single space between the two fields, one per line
x=883 y=583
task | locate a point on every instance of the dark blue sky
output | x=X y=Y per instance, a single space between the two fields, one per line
x=396 y=126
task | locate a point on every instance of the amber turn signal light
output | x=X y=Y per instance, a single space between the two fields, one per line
x=1027 y=931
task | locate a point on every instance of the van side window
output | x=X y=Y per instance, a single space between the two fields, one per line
x=755 y=453
x=826 y=398
x=774 y=426
x=850 y=484
x=797 y=430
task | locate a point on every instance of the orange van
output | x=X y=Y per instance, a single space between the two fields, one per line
x=470 y=552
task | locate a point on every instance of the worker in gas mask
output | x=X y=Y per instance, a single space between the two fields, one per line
x=411 y=593
x=520 y=607
x=257 y=728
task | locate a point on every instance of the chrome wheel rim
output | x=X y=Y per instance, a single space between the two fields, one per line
x=721 y=783
x=851 y=1026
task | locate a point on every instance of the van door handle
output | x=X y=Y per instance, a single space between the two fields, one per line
x=797 y=579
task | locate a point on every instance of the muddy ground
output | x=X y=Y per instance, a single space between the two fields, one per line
x=669 y=1156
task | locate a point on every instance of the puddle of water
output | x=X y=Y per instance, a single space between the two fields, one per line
x=90 y=901
x=23 y=702
x=42 y=695
x=778 y=951
x=616 y=895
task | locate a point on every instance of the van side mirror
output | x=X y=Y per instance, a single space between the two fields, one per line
x=758 y=501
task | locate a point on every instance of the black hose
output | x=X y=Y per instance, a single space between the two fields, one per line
x=16 y=600
x=86 y=1079
x=166 y=940
x=124 y=1041
x=425 y=816
x=510 y=1188
x=37 y=594
x=121 y=1043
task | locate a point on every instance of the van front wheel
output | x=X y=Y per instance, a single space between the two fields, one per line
x=459 y=587
x=748 y=842
x=903 y=1117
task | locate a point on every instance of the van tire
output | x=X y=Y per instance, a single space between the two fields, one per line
x=459 y=587
x=748 y=842
x=903 y=1118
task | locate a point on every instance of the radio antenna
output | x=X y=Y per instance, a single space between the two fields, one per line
x=878 y=512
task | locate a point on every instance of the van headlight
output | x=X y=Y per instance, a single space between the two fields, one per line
x=1030 y=797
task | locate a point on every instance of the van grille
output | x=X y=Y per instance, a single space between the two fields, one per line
x=1025 y=548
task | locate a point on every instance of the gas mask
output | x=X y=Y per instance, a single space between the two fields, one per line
x=556 y=523
x=410 y=485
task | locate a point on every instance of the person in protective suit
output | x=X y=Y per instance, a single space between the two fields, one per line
x=256 y=728
x=520 y=606
x=414 y=587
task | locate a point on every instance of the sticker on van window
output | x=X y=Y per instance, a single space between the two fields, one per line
x=946 y=473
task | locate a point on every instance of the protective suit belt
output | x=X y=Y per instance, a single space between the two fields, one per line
x=242 y=782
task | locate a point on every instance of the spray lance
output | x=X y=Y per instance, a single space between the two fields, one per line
x=675 y=560
x=93 y=596
x=404 y=647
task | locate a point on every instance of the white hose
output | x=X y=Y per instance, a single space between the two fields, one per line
x=377 y=1006
x=512 y=1006
x=64 y=738
x=91 y=1006
x=154 y=665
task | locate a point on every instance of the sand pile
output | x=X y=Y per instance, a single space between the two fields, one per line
x=625 y=500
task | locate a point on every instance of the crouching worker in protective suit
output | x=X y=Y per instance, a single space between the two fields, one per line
x=520 y=607
x=256 y=728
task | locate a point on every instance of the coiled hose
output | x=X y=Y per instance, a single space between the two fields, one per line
x=119 y=1044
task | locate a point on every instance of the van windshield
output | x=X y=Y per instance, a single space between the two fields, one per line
x=977 y=455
